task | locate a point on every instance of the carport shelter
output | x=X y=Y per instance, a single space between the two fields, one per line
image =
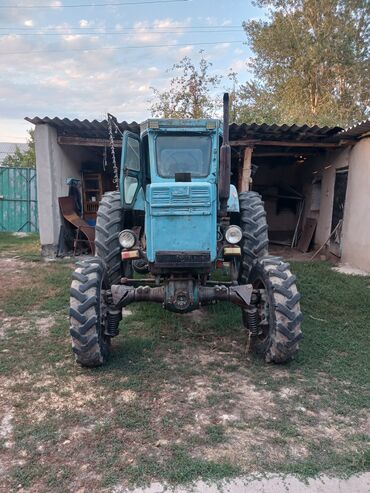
x=315 y=180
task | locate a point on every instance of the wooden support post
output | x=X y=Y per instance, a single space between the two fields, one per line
x=245 y=181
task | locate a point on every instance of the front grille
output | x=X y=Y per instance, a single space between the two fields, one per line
x=184 y=200
x=182 y=259
x=187 y=195
x=161 y=196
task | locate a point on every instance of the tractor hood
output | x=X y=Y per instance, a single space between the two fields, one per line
x=181 y=218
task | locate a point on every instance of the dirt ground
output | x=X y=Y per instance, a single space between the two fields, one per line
x=181 y=398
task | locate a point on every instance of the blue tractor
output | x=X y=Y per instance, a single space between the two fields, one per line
x=176 y=217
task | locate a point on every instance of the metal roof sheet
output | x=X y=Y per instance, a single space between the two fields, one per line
x=264 y=131
x=83 y=128
x=282 y=132
x=357 y=130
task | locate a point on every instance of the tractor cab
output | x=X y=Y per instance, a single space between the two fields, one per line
x=171 y=172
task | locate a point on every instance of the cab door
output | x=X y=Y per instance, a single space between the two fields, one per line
x=131 y=179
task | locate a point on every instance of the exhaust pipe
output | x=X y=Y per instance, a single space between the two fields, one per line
x=225 y=161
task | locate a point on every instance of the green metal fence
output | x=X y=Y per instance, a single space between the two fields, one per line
x=18 y=199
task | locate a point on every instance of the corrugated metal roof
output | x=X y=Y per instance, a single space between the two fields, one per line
x=98 y=129
x=281 y=132
x=356 y=130
x=82 y=128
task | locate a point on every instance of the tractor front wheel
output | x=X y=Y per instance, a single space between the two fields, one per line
x=254 y=226
x=88 y=313
x=109 y=223
x=275 y=323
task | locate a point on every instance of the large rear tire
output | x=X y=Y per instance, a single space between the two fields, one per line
x=279 y=315
x=88 y=313
x=108 y=225
x=254 y=226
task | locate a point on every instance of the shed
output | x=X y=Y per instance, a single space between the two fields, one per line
x=317 y=175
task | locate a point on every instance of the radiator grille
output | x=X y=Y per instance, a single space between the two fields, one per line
x=188 y=196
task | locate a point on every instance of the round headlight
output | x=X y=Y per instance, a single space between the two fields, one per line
x=233 y=234
x=126 y=238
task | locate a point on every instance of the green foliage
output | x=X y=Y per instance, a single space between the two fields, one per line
x=21 y=159
x=190 y=92
x=311 y=63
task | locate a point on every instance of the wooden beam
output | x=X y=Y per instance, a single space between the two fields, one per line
x=282 y=154
x=286 y=143
x=86 y=141
x=246 y=171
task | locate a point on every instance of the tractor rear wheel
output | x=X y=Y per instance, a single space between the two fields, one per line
x=275 y=327
x=88 y=313
x=254 y=226
x=108 y=226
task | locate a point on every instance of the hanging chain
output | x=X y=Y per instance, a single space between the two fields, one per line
x=115 y=168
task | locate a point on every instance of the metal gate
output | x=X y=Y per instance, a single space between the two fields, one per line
x=18 y=199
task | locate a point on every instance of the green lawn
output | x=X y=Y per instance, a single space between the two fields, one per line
x=180 y=399
x=26 y=247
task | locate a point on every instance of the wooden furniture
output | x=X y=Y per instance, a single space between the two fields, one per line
x=92 y=192
x=84 y=232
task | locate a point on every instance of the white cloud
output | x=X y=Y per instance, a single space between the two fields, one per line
x=72 y=37
x=239 y=65
x=158 y=31
x=141 y=34
x=28 y=23
x=56 y=81
x=170 y=23
x=143 y=88
x=185 y=50
x=84 y=23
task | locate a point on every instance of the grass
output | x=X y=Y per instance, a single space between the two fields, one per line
x=26 y=247
x=180 y=398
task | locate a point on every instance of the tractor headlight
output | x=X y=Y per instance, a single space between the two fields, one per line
x=233 y=234
x=126 y=238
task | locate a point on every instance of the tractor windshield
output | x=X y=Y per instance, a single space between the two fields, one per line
x=183 y=154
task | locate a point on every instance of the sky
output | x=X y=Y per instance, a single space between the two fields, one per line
x=84 y=58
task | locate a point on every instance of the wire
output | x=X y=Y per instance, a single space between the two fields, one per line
x=82 y=5
x=116 y=33
x=123 y=28
x=120 y=47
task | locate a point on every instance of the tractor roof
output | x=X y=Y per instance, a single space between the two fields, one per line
x=176 y=123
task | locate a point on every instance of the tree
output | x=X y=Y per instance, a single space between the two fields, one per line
x=311 y=63
x=26 y=159
x=190 y=92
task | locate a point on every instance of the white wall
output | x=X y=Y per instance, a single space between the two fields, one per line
x=356 y=220
x=331 y=163
x=54 y=164
x=356 y=223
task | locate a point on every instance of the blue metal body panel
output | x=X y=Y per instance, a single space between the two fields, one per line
x=181 y=217
x=139 y=202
